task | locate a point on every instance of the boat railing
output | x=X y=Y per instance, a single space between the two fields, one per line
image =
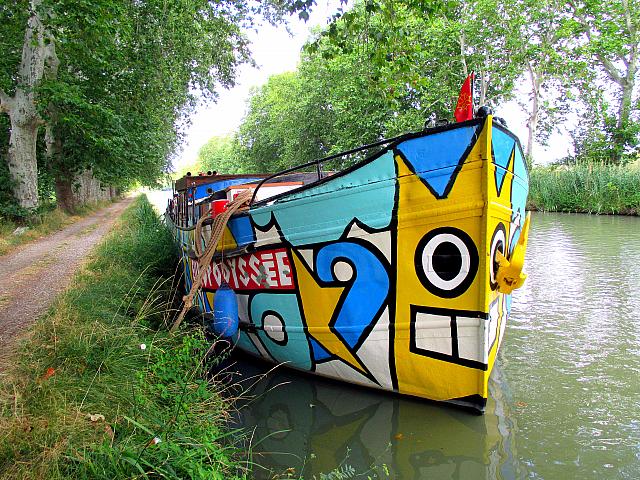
x=318 y=165
x=185 y=212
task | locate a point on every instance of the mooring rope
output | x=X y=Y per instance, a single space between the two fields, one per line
x=204 y=257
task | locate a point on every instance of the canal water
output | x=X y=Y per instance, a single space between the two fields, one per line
x=564 y=397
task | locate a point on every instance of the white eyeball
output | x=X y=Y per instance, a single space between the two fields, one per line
x=446 y=261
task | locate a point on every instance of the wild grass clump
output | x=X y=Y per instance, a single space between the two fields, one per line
x=49 y=220
x=600 y=189
x=98 y=392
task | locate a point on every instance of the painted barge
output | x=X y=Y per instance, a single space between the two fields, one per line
x=395 y=273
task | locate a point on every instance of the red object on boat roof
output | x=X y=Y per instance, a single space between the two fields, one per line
x=464 y=108
x=219 y=206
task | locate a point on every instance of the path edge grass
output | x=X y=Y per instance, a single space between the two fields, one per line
x=100 y=389
x=43 y=224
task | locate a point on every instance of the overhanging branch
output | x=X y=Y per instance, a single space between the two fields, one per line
x=610 y=69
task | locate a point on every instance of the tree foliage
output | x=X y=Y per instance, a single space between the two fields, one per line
x=121 y=78
x=128 y=76
x=384 y=67
x=128 y=81
x=378 y=70
x=220 y=154
x=609 y=43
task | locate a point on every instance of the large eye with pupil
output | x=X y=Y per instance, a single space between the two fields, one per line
x=498 y=244
x=446 y=262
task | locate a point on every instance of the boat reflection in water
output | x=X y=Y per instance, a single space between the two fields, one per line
x=308 y=426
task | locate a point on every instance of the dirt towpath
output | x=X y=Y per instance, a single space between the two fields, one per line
x=32 y=276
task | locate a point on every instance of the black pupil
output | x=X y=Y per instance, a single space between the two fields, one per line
x=447 y=261
x=499 y=248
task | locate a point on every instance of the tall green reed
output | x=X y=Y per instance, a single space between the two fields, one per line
x=600 y=189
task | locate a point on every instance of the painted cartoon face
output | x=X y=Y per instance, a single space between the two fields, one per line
x=452 y=222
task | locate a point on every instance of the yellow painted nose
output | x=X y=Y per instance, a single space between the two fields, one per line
x=510 y=276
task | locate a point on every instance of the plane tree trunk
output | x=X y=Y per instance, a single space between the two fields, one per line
x=532 y=121
x=39 y=60
x=76 y=190
x=21 y=158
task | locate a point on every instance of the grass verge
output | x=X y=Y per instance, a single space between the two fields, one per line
x=41 y=225
x=597 y=189
x=100 y=389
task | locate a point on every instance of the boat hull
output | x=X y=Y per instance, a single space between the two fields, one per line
x=382 y=275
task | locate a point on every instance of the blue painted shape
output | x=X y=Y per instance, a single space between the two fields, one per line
x=519 y=165
x=435 y=158
x=519 y=192
x=322 y=213
x=201 y=190
x=242 y=230
x=520 y=185
x=296 y=351
x=502 y=146
x=368 y=290
x=319 y=353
